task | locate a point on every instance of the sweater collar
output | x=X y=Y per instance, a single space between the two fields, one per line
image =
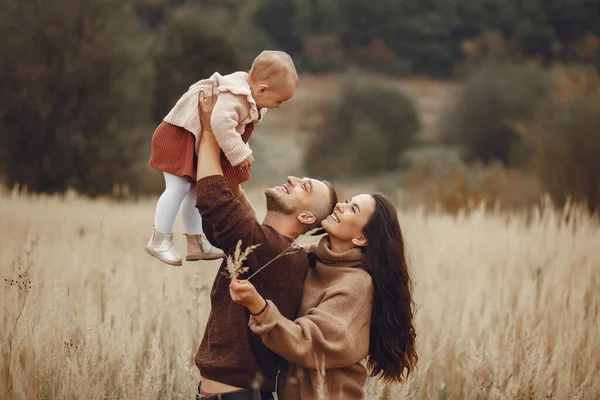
x=237 y=84
x=349 y=258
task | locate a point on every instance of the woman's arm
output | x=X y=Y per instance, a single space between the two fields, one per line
x=334 y=334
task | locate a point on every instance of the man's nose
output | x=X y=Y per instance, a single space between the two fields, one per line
x=292 y=180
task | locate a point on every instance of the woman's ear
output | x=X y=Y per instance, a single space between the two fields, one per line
x=360 y=241
x=262 y=89
x=307 y=218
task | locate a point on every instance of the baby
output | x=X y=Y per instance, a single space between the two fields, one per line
x=242 y=101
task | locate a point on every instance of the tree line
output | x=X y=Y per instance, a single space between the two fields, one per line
x=84 y=82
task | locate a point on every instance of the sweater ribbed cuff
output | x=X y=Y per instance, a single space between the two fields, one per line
x=210 y=182
x=238 y=154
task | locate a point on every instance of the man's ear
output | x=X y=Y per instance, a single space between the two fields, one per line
x=262 y=89
x=360 y=241
x=307 y=218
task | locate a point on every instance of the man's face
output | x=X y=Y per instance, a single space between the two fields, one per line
x=299 y=195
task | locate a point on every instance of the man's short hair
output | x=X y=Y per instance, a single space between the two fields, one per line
x=333 y=200
x=333 y=197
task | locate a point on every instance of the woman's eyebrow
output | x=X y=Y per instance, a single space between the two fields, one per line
x=353 y=205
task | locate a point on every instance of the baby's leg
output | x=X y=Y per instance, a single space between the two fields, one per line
x=166 y=210
x=198 y=246
x=190 y=217
x=161 y=241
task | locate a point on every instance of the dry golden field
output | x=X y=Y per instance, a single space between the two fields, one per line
x=508 y=306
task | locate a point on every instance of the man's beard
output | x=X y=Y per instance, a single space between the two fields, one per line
x=276 y=203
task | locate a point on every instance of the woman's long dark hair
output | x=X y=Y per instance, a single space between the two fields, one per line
x=392 y=352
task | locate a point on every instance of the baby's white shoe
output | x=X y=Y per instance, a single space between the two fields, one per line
x=161 y=246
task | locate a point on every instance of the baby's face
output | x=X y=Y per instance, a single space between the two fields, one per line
x=273 y=95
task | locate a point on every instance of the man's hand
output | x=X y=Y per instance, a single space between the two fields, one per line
x=247 y=163
x=244 y=293
x=206 y=102
x=209 y=162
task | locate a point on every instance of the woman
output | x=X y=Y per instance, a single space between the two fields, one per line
x=356 y=303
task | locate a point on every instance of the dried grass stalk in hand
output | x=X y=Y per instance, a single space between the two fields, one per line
x=234 y=266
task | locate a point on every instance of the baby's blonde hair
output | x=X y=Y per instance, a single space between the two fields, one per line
x=274 y=66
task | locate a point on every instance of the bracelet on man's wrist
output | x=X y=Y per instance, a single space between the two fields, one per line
x=261 y=311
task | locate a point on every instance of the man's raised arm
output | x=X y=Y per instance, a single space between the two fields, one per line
x=230 y=220
x=209 y=162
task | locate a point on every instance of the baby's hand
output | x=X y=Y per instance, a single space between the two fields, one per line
x=247 y=163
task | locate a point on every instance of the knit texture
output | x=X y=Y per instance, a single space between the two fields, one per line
x=332 y=332
x=173 y=152
x=229 y=352
x=236 y=175
x=234 y=109
x=208 y=229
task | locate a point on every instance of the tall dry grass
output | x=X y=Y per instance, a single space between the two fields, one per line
x=508 y=304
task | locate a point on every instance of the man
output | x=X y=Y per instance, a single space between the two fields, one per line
x=233 y=361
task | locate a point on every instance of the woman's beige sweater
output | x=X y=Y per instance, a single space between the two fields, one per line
x=234 y=109
x=326 y=343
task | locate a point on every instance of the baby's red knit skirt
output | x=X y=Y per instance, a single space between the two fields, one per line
x=173 y=151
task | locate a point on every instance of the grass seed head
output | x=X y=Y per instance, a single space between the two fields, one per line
x=235 y=266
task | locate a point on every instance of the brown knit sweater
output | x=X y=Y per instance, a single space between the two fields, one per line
x=229 y=352
x=332 y=332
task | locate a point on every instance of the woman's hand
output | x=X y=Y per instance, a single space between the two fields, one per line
x=244 y=293
x=206 y=102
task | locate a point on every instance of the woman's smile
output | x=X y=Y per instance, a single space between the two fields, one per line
x=333 y=217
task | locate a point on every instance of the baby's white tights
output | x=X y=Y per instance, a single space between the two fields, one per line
x=180 y=195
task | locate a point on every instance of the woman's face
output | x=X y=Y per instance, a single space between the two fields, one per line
x=346 y=222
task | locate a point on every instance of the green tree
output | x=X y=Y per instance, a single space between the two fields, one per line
x=547 y=29
x=365 y=131
x=76 y=83
x=566 y=142
x=480 y=119
x=184 y=55
x=425 y=36
x=418 y=33
x=231 y=21
x=276 y=17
